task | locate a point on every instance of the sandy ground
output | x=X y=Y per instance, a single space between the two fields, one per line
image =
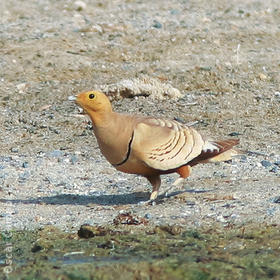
x=223 y=56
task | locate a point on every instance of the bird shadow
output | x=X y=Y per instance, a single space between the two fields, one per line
x=74 y=199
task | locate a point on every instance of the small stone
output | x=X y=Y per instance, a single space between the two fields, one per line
x=147 y=216
x=234 y=134
x=174 y=12
x=55 y=153
x=56 y=131
x=6 y=98
x=25 y=175
x=25 y=164
x=274 y=169
x=5 y=159
x=277 y=162
x=45 y=107
x=62 y=184
x=36 y=248
x=3 y=215
x=157 y=24
x=178 y=119
x=14 y=150
x=243 y=158
x=205 y=68
x=190 y=203
x=220 y=174
x=73 y=159
x=234 y=216
x=80 y=5
x=276 y=199
x=88 y=231
x=271 y=211
x=221 y=219
x=277 y=94
x=97 y=28
x=266 y=163
x=262 y=76
x=21 y=87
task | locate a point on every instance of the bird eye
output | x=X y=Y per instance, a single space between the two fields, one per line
x=91 y=96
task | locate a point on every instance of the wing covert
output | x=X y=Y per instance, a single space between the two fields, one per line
x=164 y=144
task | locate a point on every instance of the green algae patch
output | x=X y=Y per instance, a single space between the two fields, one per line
x=142 y=252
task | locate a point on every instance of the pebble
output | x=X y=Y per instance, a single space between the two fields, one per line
x=25 y=164
x=55 y=153
x=190 y=203
x=271 y=211
x=97 y=28
x=174 y=12
x=275 y=169
x=14 y=150
x=3 y=215
x=276 y=199
x=221 y=219
x=262 y=76
x=80 y=5
x=234 y=216
x=243 y=158
x=157 y=24
x=21 y=87
x=147 y=216
x=277 y=162
x=73 y=159
x=234 y=134
x=178 y=119
x=266 y=163
x=23 y=176
x=220 y=174
x=56 y=131
x=5 y=159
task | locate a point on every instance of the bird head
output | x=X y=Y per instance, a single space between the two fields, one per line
x=92 y=102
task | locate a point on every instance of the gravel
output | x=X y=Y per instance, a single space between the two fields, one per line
x=51 y=189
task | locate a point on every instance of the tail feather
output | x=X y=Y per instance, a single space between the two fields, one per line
x=215 y=151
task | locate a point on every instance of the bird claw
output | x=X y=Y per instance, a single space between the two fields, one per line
x=154 y=195
x=177 y=182
x=150 y=202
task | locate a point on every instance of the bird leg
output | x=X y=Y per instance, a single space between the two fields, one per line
x=155 y=182
x=184 y=172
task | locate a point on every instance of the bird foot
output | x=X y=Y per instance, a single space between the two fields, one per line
x=177 y=182
x=151 y=201
x=147 y=203
x=153 y=195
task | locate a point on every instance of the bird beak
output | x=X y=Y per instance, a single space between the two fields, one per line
x=72 y=98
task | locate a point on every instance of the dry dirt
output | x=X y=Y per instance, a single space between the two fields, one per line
x=224 y=57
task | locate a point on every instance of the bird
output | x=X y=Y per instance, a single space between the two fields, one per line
x=149 y=146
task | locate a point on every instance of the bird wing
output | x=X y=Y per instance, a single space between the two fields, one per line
x=164 y=144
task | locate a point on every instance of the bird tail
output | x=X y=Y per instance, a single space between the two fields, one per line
x=215 y=151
